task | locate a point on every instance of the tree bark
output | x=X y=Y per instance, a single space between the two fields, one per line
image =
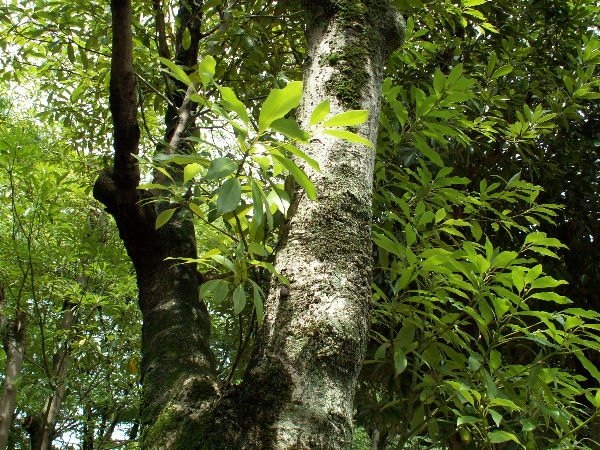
x=42 y=427
x=316 y=328
x=176 y=358
x=14 y=334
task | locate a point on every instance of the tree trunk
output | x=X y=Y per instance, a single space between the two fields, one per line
x=13 y=333
x=42 y=428
x=176 y=358
x=316 y=329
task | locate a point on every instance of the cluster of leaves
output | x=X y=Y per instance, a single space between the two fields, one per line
x=60 y=255
x=239 y=191
x=466 y=342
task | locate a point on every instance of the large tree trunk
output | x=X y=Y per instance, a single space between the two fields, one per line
x=315 y=331
x=299 y=388
x=13 y=339
x=176 y=358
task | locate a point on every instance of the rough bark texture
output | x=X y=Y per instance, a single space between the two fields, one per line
x=176 y=358
x=316 y=329
x=13 y=340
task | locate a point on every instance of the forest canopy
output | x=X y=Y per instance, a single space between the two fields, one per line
x=275 y=224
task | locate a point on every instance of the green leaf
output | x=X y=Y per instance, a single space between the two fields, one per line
x=230 y=195
x=258 y=303
x=299 y=175
x=518 y=278
x=176 y=71
x=496 y=416
x=190 y=171
x=400 y=361
x=588 y=365
x=220 y=291
x=186 y=40
x=257 y=204
x=224 y=261
x=206 y=69
x=164 y=217
x=496 y=437
x=347 y=119
x=430 y=153
x=278 y=104
x=551 y=297
x=290 y=128
x=320 y=112
x=349 y=136
x=220 y=168
x=152 y=186
x=504 y=70
x=504 y=402
x=239 y=299
x=546 y=282
x=470 y=3
x=300 y=154
x=440 y=215
x=231 y=103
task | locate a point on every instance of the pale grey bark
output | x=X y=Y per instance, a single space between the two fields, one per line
x=316 y=329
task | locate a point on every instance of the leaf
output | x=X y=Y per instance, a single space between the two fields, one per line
x=430 y=153
x=152 y=186
x=258 y=303
x=299 y=175
x=320 y=112
x=518 y=278
x=551 y=297
x=231 y=103
x=239 y=299
x=186 y=40
x=220 y=168
x=546 y=282
x=230 y=195
x=206 y=69
x=164 y=217
x=190 y=171
x=300 y=154
x=278 y=104
x=504 y=70
x=504 y=402
x=499 y=436
x=257 y=204
x=291 y=129
x=349 y=136
x=496 y=416
x=400 y=361
x=440 y=215
x=224 y=261
x=470 y=3
x=176 y=71
x=347 y=119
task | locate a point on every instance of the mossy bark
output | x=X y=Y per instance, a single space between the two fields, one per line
x=315 y=330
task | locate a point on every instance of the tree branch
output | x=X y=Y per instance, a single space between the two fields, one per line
x=123 y=101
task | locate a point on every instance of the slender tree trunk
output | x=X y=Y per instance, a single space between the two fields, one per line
x=13 y=334
x=316 y=329
x=42 y=427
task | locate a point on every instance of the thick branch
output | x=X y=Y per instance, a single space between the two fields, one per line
x=123 y=101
